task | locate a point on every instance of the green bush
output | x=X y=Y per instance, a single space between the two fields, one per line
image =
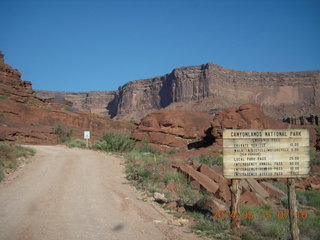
x=63 y=134
x=2 y=97
x=145 y=148
x=272 y=228
x=280 y=185
x=205 y=226
x=173 y=151
x=314 y=158
x=68 y=108
x=9 y=156
x=114 y=142
x=310 y=226
x=79 y=143
x=309 y=198
x=176 y=177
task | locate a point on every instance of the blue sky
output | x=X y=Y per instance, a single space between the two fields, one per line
x=79 y=45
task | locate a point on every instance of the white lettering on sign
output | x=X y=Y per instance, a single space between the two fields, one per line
x=86 y=134
x=269 y=153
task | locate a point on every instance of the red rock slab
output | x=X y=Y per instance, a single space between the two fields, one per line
x=224 y=190
x=202 y=179
x=272 y=190
x=256 y=187
x=251 y=198
x=214 y=205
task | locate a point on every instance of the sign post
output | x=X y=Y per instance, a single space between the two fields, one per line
x=86 y=136
x=268 y=153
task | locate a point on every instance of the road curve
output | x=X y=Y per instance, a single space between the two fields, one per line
x=66 y=194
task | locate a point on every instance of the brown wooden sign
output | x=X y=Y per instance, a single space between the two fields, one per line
x=268 y=153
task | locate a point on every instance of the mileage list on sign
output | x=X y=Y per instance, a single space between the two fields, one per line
x=269 y=153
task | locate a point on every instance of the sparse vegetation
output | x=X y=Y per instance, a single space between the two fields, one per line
x=208 y=159
x=68 y=108
x=280 y=185
x=146 y=148
x=133 y=121
x=176 y=177
x=63 y=134
x=217 y=150
x=309 y=198
x=318 y=130
x=47 y=107
x=9 y=156
x=114 y=142
x=173 y=151
x=79 y=143
x=205 y=226
x=314 y=158
x=268 y=228
x=3 y=97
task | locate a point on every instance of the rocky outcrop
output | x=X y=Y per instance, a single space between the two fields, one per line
x=93 y=101
x=248 y=116
x=25 y=118
x=172 y=129
x=11 y=84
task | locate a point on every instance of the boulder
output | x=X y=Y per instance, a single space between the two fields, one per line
x=202 y=179
x=159 y=197
x=247 y=116
x=172 y=129
x=251 y=199
x=224 y=190
x=214 y=205
x=170 y=205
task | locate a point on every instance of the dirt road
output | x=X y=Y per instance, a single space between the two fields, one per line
x=68 y=194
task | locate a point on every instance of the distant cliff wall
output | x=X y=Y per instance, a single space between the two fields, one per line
x=208 y=88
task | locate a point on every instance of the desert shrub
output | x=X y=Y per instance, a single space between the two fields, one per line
x=133 y=121
x=6 y=151
x=318 y=130
x=79 y=143
x=173 y=151
x=310 y=226
x=176 y=177
x=45 y=107
x=272 y=228
x=188 y=195
x=2 y=175
x=114 y=142
x=2 y=97
x=68 y=108
x=217 y=150
x=314 y=158
x=205 y=226
x=208 y=159
x=309 y=198
x=9 y=156
x=280 y=185
x=146 y=148
x=63 y=134
x=2 y=115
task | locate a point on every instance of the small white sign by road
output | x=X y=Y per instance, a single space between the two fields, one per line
x=86 y=134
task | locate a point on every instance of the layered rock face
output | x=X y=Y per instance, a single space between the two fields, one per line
x=211 y=88
x=93 y=101
x=25 y=118
x=11 y=83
